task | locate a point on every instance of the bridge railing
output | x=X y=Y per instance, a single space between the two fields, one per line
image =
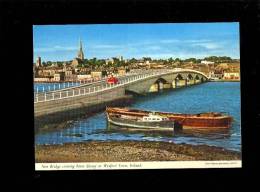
x=80 y=91
x=65 y=85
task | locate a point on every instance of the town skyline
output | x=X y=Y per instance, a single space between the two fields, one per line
x=157 y=41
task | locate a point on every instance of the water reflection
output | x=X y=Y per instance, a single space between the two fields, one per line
x=202 y=133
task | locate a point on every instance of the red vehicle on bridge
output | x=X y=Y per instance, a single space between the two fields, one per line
x=112 y=80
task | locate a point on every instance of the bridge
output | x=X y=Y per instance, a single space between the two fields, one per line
x=73 y=101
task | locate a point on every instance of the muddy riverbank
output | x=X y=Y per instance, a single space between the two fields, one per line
x=122 y=151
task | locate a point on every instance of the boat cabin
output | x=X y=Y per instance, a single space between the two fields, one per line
x=154 y=118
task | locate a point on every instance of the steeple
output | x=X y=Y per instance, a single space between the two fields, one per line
x=80 y=53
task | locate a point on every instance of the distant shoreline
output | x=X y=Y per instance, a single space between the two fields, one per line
x=120 y=151
x=224 y=80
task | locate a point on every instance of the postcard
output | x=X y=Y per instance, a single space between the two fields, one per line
x=137 y=96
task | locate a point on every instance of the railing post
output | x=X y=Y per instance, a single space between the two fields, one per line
x=52 y=95
x=43 y=89
x=44 y=96
x=37 y=89
x=59 y=85
x=94 y=89
x=37 y=98
x=73 y=92
x=67 y=93
x=49 y=87
x=54 y=87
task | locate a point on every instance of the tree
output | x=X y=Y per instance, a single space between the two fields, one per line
x=191 y=60
x=177 y=60
x=133 y=60
x=49 y=63
x=147 y=58
x=170 y=60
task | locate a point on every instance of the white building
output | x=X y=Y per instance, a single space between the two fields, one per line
x=56 y=77
x=82 y=77
x=206 y=62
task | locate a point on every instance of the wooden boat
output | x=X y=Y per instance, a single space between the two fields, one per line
x=210 y=120
x=148 y=121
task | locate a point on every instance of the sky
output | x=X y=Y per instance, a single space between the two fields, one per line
x=158 y=41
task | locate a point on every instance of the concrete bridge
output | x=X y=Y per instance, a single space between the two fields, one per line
x=78 y=100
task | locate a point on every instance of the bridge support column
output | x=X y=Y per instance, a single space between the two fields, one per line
x=167 y=86
x=197 y=81
x=174 y=84
x=181 y=83
x=160 y=86
x=154 y=88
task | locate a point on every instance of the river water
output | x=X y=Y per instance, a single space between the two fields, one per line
x=211 y=96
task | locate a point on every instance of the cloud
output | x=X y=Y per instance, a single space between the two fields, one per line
x=153 y=48
x=208 y=45
x=55 y=48
x=105 y=46
x=166 y=41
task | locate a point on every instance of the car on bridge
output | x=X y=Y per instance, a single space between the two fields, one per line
x=112 y=80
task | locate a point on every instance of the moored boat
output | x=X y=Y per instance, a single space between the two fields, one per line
x=209 y=120
x=149 y=121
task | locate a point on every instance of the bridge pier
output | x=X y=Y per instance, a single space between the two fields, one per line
x=181 y=83
x=154 y=88
x=167 y=86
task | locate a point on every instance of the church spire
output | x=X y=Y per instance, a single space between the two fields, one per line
x=80 y=44
x=80 y=53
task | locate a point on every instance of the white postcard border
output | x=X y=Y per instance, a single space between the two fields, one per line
x=137 y=165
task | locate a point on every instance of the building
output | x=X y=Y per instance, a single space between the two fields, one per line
x=96 y=74
x=232 y=75
x=206 y=62
x=59 y=76
x=83 y=77
x=38 y=62
x=56 y=77
x=216 y=74
x=111 y=60
x=121 y=72
x=120 y=58
x=75 y=62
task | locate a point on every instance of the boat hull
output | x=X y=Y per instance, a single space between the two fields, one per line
x=167 y=126
x=203 y=123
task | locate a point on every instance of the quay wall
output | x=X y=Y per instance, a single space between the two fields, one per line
x=51 y=114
